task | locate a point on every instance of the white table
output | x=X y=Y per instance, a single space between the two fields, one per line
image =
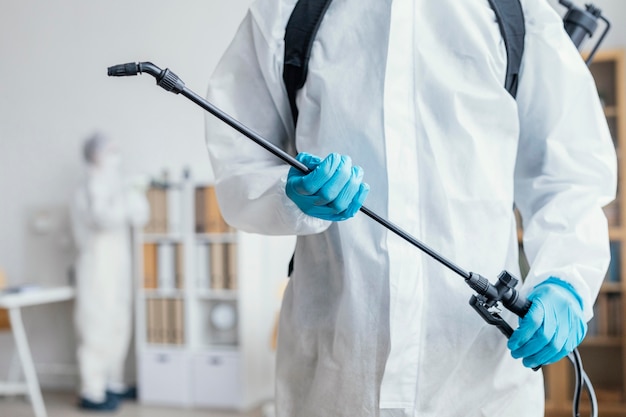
x=14 y=302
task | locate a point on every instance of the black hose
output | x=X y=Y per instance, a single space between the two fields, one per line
x=582 y=380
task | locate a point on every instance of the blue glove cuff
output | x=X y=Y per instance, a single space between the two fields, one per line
x=563 y=284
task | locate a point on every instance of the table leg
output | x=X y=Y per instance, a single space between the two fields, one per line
x=14 y=377
x=28 y=367
x=15 y=369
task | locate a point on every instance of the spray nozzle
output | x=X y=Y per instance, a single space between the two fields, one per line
x=164 y=78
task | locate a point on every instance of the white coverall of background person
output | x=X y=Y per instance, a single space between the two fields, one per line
x=102 y=214
x=412 y=91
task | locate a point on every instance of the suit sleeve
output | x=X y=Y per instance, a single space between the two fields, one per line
x=566 y=166
x=250 y=182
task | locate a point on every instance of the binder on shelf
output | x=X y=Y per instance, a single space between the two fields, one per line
x=199 y=210
x=166 y=266
x=166 y=212
x=168 y=312
x=151 y=197
x=159 y=326
x=218 y=263
x=179 y=321
x=151 y=331
x=174 y=210
x=158 y=321
x=162 y=220
x=216 y=266
x=165 y=321
x=180 y=266
x=203 y=280
x=157 y=199
x=231 y=266
x=208 y=217
x=214 y=221
x=150 y=265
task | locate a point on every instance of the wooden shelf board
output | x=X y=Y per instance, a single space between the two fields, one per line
x=164 y=347
x=216 y=237
x=162 y=238
x=215 y=348
x=208 y=294
x=163 y=293
x=600 y=341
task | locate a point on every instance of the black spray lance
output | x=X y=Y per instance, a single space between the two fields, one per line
x=489 y=296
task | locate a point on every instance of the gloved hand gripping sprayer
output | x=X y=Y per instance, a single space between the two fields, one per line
x=488 y=296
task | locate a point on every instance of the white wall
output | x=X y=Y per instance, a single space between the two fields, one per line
x=54 y=91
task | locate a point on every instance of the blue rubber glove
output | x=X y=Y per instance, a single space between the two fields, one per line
x=552 y=328
x=334 y=189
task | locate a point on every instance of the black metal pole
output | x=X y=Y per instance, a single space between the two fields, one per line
x=171 y=82
x=261 y=141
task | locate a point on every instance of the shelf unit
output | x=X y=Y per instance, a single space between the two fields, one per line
x=224 y=358
x=604 y=349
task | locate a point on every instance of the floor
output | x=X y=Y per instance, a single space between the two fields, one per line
x=63 y=405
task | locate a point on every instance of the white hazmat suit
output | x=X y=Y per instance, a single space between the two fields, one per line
x=102 y=213
x=413 y=91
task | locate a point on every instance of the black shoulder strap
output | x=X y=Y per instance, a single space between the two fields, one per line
x=511 y=21
x=307 y=16
x=301 y=29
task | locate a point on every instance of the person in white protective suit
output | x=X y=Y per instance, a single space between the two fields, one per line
x=412 y=91
x=103 y=211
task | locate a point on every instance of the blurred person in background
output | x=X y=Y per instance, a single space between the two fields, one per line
x=104 y=209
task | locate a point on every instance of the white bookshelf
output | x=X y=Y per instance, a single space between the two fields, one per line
x=214 y=367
